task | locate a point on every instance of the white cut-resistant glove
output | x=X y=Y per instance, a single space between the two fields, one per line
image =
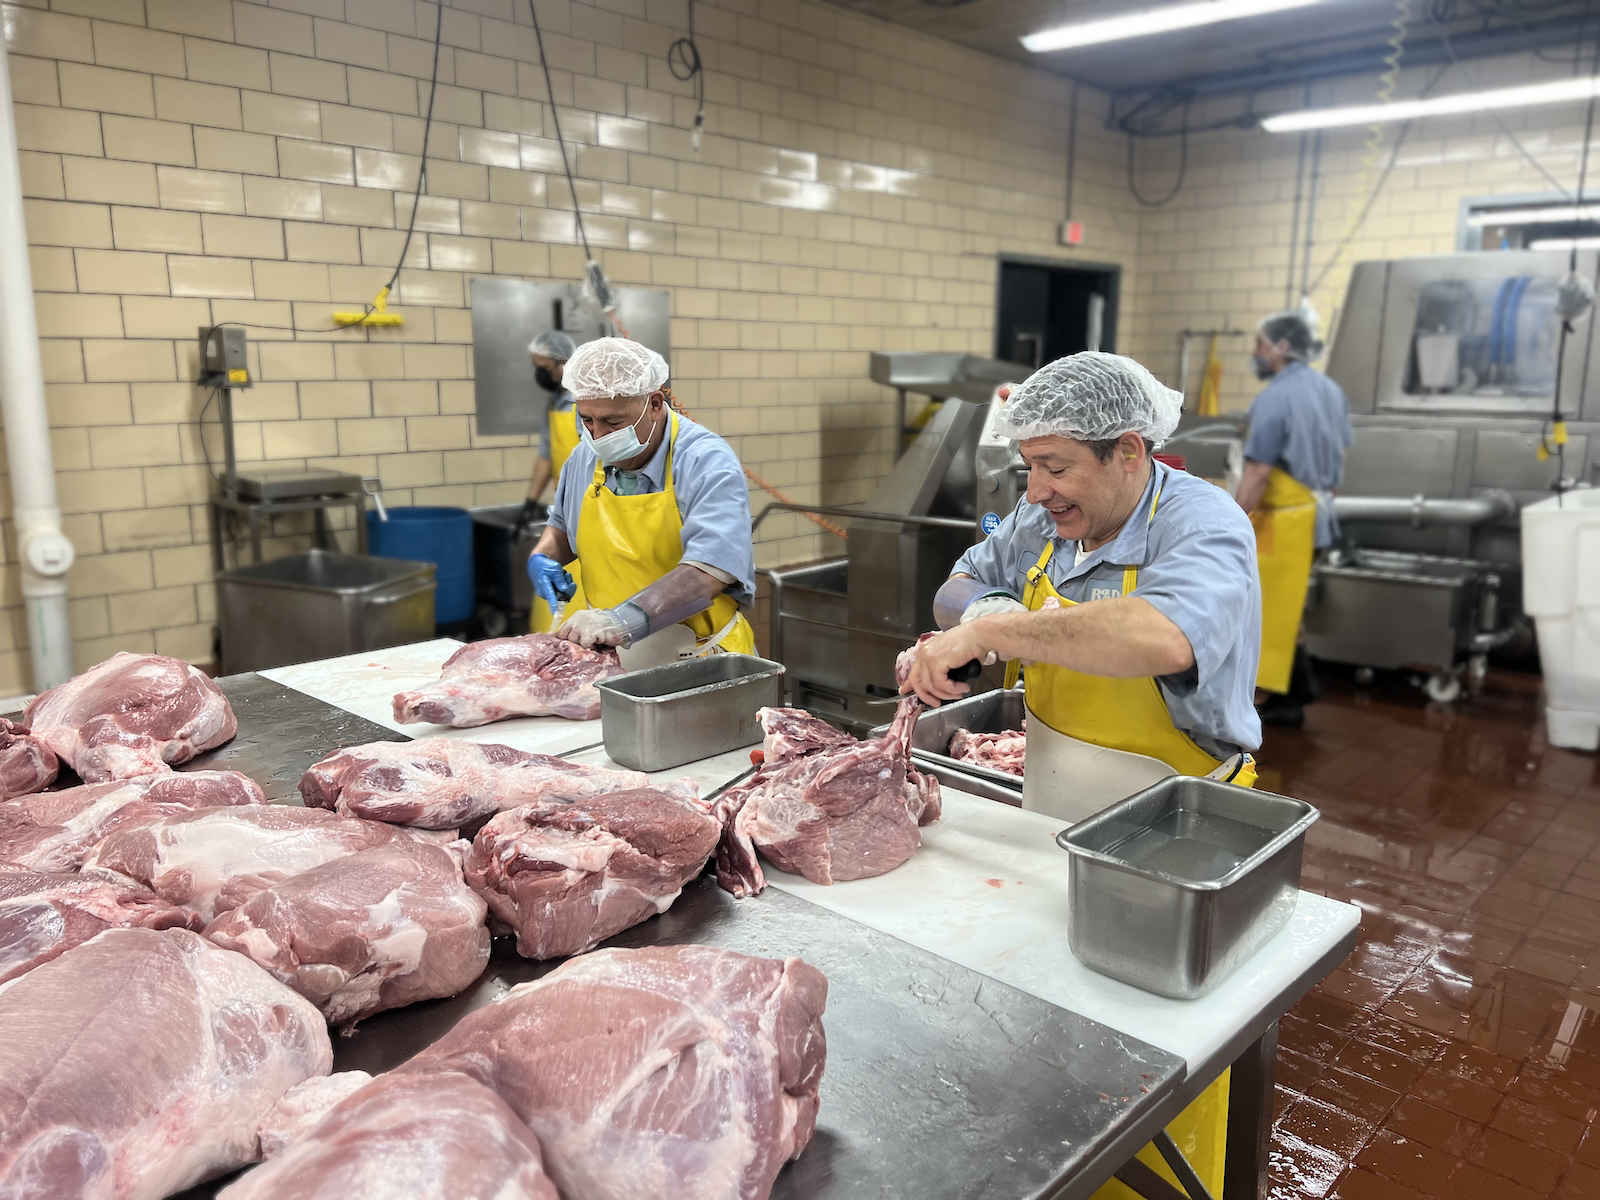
x=594 y=627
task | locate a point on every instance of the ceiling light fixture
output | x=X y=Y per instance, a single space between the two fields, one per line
x=1548 y=215
x=1583 y=243
x=1437 y=106
x=1153 y=20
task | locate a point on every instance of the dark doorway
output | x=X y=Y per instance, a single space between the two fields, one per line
x=1046 y=311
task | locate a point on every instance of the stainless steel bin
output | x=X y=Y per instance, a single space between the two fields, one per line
x=987 y=712
x=320 y=605
x=1174 y=887
x=666 y=716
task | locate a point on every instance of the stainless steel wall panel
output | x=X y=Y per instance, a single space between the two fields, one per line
x=1392 y=460
x=508 y=313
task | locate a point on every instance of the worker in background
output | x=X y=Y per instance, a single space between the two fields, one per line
x=550 y=352
x=654 y=508
x=1126 y=589
x=1294 y=458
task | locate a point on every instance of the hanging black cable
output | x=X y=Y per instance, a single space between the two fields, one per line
x=1072 y=148
x=683 y=60
x=1555 y=441
x=1183 y=166
x=555 y=117
x=422 y=167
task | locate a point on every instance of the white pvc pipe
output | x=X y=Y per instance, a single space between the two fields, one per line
x=44 y=551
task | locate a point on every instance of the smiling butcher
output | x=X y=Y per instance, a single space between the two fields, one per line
x=1126 y=591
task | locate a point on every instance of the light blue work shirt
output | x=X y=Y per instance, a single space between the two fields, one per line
x=559 y=403
x=1197 y=567
x=712 y=499
x=1300 y=423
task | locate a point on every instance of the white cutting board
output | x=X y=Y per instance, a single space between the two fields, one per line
x=365 y=684
x=988 y=889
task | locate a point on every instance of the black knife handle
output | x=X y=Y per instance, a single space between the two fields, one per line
x=967 y=673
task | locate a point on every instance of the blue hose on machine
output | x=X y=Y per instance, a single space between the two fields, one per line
x=442 y=536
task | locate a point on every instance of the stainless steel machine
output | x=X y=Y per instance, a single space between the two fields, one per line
x=838 y=626
x=1454 y=368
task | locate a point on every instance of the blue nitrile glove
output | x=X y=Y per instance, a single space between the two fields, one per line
x=551 y=583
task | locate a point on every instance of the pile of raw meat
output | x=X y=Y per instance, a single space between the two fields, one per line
x=1003 y=751
x=677 y=1073
x=824 y=805
x=173 y=950
x=570 y=854
x=534 y=676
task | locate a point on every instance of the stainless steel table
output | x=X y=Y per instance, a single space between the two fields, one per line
x=941 y=1081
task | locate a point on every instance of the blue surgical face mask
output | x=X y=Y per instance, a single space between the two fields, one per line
x=621 y=444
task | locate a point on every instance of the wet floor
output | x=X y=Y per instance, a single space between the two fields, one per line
x=1456 y=1053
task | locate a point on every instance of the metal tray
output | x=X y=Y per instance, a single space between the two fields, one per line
x=666 y=716
x=988 y=712
x=1174 y=887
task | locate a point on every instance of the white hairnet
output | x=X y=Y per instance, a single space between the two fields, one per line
x=552 y=343
x=613 y=366
x=1091 y=397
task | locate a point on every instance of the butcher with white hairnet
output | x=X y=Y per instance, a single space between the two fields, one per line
x=654 y=508
x=1124 y=591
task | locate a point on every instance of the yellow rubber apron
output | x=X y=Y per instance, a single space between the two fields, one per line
x=1286 y=531
x=564 y=438
x=1129 y=715
x=626 y=543
x=1095 y=739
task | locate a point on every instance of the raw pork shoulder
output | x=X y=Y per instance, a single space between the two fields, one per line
x=443 y=783
x=143 y=1062
x=43 y=916
x=131 y=715
x=837 y=811
x=214 y=861
x=1004 y=751
x=379 y=929
x=26 y=763
x=55 y=831
x=794 y=733
x=441 y=1136
x=568 y=876
x=669 y=1072
x=304 y=1105
x=534 y=676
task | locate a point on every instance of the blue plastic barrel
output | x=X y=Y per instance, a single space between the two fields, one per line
x=442 y=536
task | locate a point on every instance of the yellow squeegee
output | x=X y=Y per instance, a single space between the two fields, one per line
x=378 y=315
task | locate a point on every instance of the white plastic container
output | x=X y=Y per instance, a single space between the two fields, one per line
x=1561 y=592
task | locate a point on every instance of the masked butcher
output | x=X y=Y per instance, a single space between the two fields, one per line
x=655 y=509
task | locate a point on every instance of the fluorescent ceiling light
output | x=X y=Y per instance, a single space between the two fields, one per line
x=1153 y=20
x=1536 y=216
x=1405 y=110
x=1584 y=243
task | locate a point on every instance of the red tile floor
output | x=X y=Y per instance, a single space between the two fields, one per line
x=1456 y=1053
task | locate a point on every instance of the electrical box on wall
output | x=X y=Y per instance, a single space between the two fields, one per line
x=224 y=357
x=1071 y=233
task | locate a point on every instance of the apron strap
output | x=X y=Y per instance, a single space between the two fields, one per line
x=713 y=644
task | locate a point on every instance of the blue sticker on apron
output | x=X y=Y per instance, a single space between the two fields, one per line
x=991 y=522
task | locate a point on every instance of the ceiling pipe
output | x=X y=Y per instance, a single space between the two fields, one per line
x=44 y=551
